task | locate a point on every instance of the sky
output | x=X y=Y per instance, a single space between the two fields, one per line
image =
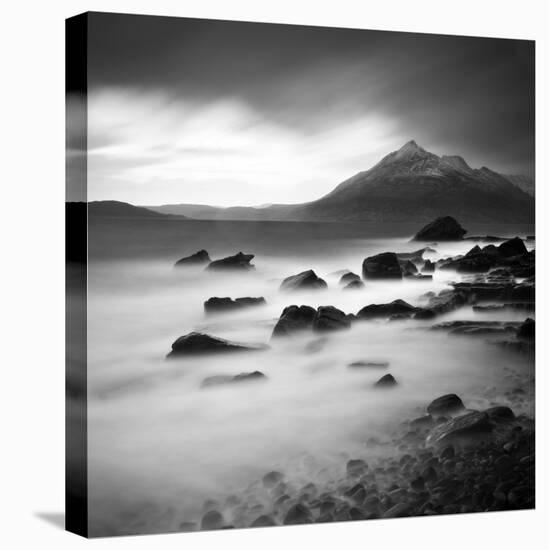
x=231 y=113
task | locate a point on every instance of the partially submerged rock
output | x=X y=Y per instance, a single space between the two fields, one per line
x=396 y=307
x=348 y=277
x=354 y=285
x=416 y=255
x=216 y=305
x=196 y=343
x=369 y=364
x=294 y=318
x=239 y=261
x=382 y=266
x=328 y=318
x=461 y=429
x=428 y=267
x=211 y=520
x=446 y=404
x=303 y=281
x=478 y=328
x=198 y=258
x=386 y=381
x=527 y=331
x=230 y=379
x=444 y=228
x=298 y=514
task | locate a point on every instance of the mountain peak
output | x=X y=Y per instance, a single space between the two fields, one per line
x=410 y=150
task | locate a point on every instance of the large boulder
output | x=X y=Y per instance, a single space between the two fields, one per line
x=196 y=343
x=239 y=261
x=461 y=429
x=446 y=404
x=382 y=266
x=397 y=307
x=294 y=318
x=445 y=228
x=328 y=318
x=215 y=305
x=512 y=247
x=200 y=257
x=303 y=281
x=230 y=379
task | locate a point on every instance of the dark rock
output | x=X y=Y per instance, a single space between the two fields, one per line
x=422 y=422
x=228 y=379
x=447 y=452
x=354 y=285
x=416 y=255
x=298 y=514
x=200 y=257
x=397 y=307
x=386 y=381
x=418 y=483
x=500 y=414
x=272 y=478
x=382 y=266
x=528 y=306
x=263 y=521
x=408 y=268
x=294 y=318
x=400 y=510
x=328 y=318
x=446 y=404
x=512 y=247
x=349 y=277
x=196 y=343
x=428 y=266
x=211 y=520
x=304 y=280
x=462 y=428
x=215 y=304
x=477 y=328
x=442 y=229
x=356 y=467
x=445 y=301
x=239 y=261
x=527 y=331
x=369 y=364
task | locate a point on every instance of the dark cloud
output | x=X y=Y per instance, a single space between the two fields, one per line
x=469 y=96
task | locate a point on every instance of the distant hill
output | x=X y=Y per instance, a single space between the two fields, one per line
x=525 y=183
x=408 y=185
x=117 y=209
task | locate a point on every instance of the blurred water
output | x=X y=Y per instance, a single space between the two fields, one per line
x=159 y=445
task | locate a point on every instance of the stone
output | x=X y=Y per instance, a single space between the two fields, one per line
x=386 y=381
x=348 y=278
x=239 y=261
x=461 y=429
x=298 y=514
x=211 y=520
x=263 y=521
x=303 y=281
x=354 y=285
x=500 y=413
x=294 y=318
x=527 y=331
x=215 y=305
x=512 y=247
x=446 y=404
x=369 y=364
x=396 y=307
x=196 y=343
x=198 y=258
x=329 y=318
x=428 y=267
x=356 y=467
x=382 y=266
x=399 y=510
x=444 y=228
x=228 y=379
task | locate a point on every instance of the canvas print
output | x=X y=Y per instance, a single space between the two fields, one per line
x=300 y=274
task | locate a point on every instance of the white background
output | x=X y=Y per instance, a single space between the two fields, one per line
x=32 y=270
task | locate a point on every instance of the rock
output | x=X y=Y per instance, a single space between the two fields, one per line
x=356 y=467
x=527 y=331
x=196 y=343
x=239 y=261
x=294 y=318
x=400 y=510
x=211 y=520
x=328 y=318
x=298 y=514
x=445 y=301
x=263 y=521
x=369 y=364
x=416 y=255
x=397 y=307
x=428 y=267
x=215 y=304
x=477 y=328
x=512 y=247
x=272 y=479
x=409 y=268
x=461 y=429
x=425 y=421
x=354 y=285
x=386 y=381
x=500 y=413
x=446 y=404
x=200 y=257
x=442 y=229
x=228 y=379
x=382 y=266
x=304 y=280
x=348 y=278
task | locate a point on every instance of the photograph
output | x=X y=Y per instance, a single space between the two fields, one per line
x=300 y=274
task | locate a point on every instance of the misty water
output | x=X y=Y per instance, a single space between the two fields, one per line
x=159 y=445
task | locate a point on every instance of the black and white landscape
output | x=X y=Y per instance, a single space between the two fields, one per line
x=311 y=275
